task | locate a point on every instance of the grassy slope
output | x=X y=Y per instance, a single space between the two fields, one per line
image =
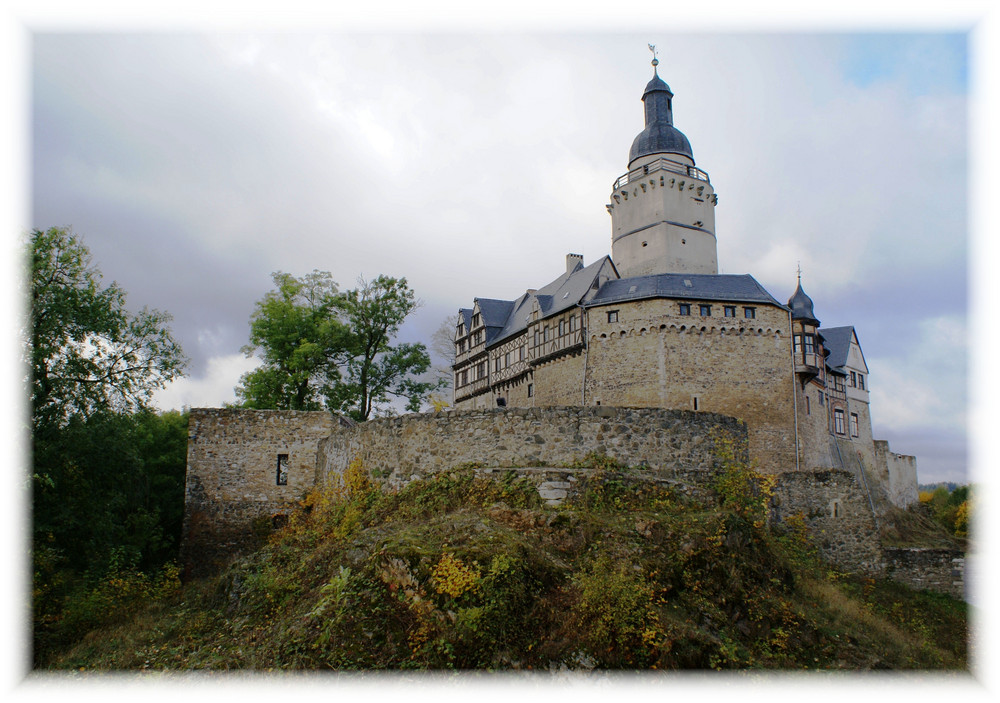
x=458 y=572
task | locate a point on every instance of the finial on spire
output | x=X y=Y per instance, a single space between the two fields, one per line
x=656 y=62
x=799 y=268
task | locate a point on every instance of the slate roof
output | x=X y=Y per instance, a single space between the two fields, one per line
x=561 y=294
x=802 y=306
x=495 y=314
x=659 y=135
x=466 y=314
x=737 y=288
x=837 y=340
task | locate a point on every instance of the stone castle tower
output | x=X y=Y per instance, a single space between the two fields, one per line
x=663 y=208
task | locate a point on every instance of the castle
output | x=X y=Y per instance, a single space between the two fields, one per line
x=656 y=325
x=644 y=356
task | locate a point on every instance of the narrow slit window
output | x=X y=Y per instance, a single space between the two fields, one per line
x=282 y=471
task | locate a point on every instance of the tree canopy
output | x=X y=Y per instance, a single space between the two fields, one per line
x=87 y=351
x=324 y=348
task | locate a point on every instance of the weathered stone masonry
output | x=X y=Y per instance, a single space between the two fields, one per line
x=232 y=465
x=401 y=449
x=232 y=476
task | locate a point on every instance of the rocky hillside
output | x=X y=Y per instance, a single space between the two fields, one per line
x=470 y=573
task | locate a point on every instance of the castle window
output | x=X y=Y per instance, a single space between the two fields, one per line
x=506 y=359
x=545 y=334
x=477 y=338
x=729 y=310
x=807 y=405
x=706 y=310
x=461 y=346
x=281 y=477
x=854 y=424
x=496 y=364
x=613 y=316
x=838 y=383
x=694 y=402
x=521 y=352
x=835 y=509
x=820 y=394
x=531 y=390
x=809 y=347
x=854 y=379
x=861 y=381
x=838 y=421
x=477 y=320
x=572 y=323
x=684 y=309
x=562 y=327
x=750 y=313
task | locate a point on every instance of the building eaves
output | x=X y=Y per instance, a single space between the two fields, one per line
x=737 y=288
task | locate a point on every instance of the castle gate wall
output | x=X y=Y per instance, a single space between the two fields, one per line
x=402 y=449
x=232 y=475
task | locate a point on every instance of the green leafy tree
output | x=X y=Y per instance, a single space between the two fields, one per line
x=378 y=372
x=323 y=348
x=86 y=351
x=299 y=334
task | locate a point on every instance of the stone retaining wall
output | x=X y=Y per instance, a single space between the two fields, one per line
x=940 y=570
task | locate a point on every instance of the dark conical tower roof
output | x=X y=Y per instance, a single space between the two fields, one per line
x=802 y=306
x=660 y=135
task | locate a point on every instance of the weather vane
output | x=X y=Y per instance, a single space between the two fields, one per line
x=799 y=268
x=656 y=62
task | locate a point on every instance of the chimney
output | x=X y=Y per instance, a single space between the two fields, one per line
x=572 y=260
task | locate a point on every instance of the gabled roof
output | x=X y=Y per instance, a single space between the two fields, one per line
x=495 y=314
x=837 y=341
x=465 y=315
x=737 y=288
x=561 y=294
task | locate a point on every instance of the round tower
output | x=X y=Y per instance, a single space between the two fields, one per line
x=663 y=209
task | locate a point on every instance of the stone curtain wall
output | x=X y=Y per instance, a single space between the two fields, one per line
x=940 y=570
x=401 y=449
x=232 y=472
x=837 y=513
x=900 y=472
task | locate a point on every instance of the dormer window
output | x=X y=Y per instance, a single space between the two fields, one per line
x=477 y=320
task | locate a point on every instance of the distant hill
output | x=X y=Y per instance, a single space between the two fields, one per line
x=467 y=573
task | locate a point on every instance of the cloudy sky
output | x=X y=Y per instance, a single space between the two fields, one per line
x=196 y=164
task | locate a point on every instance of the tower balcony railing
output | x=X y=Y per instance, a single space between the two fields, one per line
x=660 y=165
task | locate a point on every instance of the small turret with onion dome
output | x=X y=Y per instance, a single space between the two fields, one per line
x=807 y=342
